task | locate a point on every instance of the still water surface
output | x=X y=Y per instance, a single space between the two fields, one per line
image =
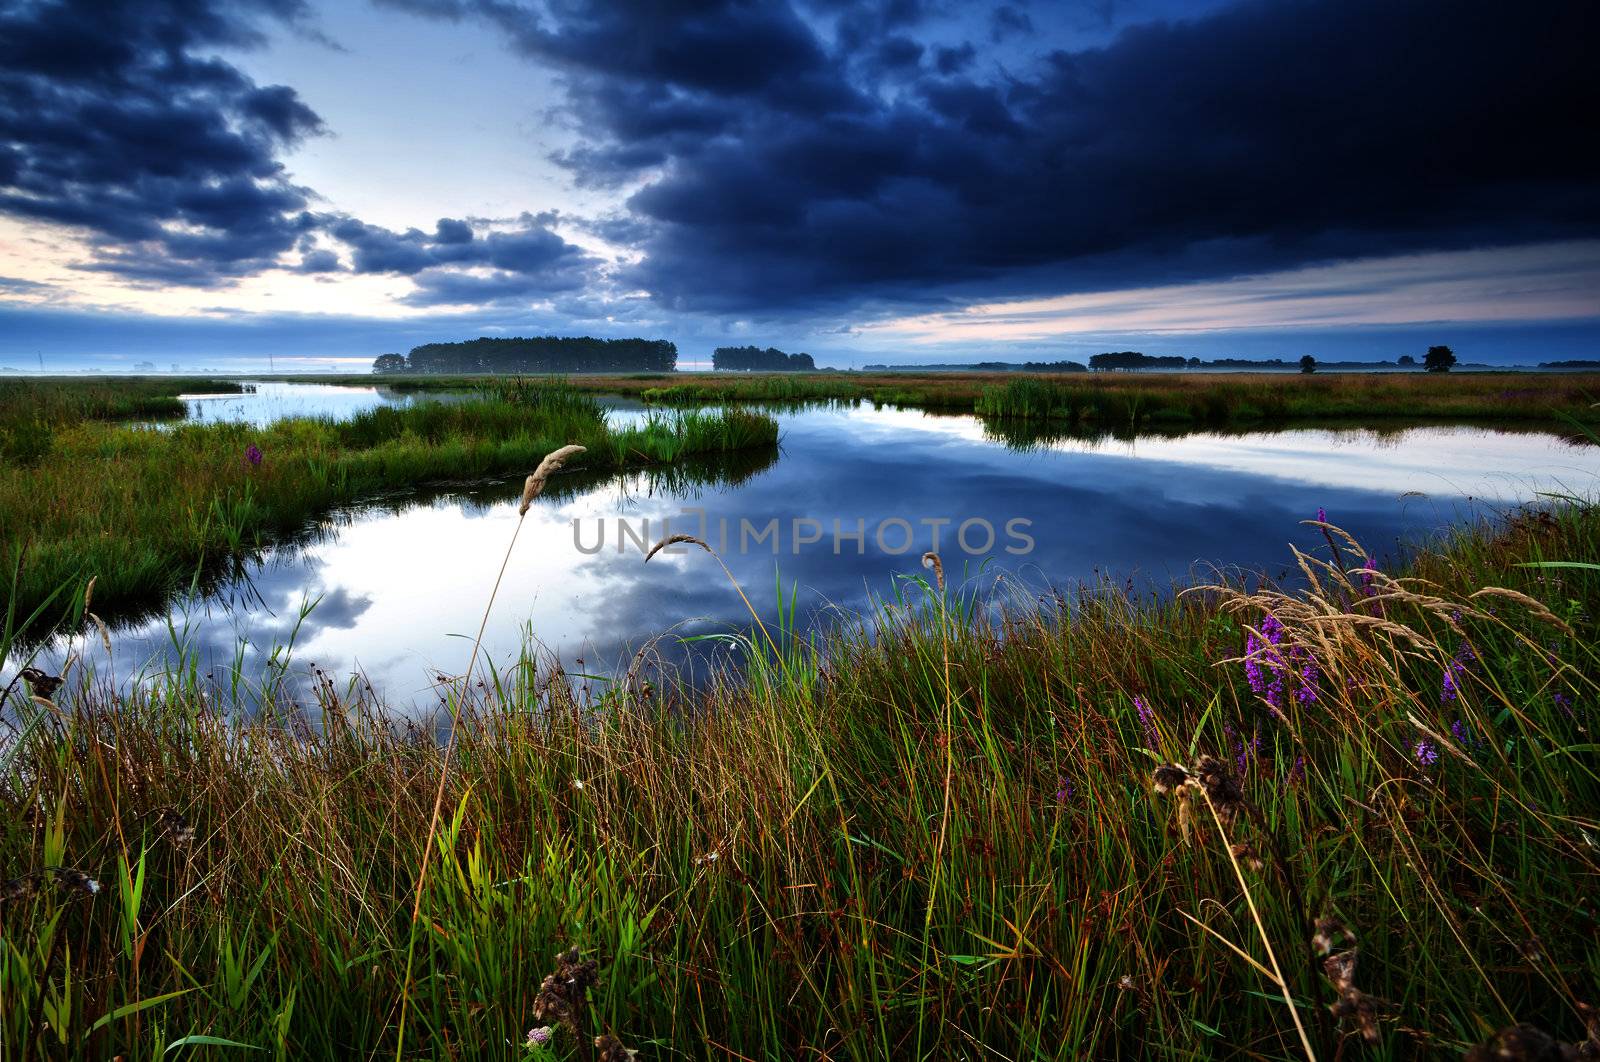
x=399 y=589
x=277 y=401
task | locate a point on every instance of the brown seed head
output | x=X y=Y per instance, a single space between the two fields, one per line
x=547 y=468
x=1246 y=854
x=1169 y=777
x=1220 y=786
x=609 y=1049
x=931 y=561
x=672 y=540
x=1329 y=932
x=1522 y=1043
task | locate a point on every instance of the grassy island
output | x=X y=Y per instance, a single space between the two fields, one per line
x=140 y=509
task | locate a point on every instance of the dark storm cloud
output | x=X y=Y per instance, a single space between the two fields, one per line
x=442 y=287
x=314 y=261
x=792 y=164
x=111 y=123
x=1009 y=19
x=525 y=262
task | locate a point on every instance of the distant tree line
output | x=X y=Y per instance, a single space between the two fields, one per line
x=538 y=354
x=754 y=359
x=983 y=366
x=1571 y=363
x=1132 y=359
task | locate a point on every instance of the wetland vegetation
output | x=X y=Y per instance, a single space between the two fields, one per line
x=141 y=511
x=1352 y=812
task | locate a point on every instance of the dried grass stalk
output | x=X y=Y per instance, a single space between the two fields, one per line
x=547 y=468
x=673 y=539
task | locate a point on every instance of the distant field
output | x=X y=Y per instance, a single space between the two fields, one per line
x=1116 y=399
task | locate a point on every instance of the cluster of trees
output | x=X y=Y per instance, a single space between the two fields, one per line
x=539 y=354
x=1572 y=363
x=1438 y=359
x=983 y=366
x=754 y=359
x=1054 y=366
x=1132 y=359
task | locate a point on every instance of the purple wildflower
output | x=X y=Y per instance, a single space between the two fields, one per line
x=1066 y=790
x=1563 y=702
x=1322 y=515
x=1450 y=682
x=1267 y=667
x=1232 y=736
x=1297 y=771
x=1261 y=668
x=1147 y=719
x=1368 y=580
x=540 y=1036
x=1426 y=752
x=1309 y=674
x=252 y=455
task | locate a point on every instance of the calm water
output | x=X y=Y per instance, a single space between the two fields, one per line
x=272 y=401
x=276 y=401
x=399 y=590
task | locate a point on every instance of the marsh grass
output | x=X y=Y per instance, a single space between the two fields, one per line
x=1175 y=401
x=927 y=832
x=1114 y=401
x=33 y=411
x=144 y=511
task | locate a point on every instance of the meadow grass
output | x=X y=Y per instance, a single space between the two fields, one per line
x=32 y=410
x=142 y=510
x=1354 y=817
x=1118 y=401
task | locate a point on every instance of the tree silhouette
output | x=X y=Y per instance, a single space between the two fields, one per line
x=754 y=359
x=538 y=354
x=1308 y=364
x=1439 y=359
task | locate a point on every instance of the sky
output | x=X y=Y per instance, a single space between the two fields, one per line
x=309 y=184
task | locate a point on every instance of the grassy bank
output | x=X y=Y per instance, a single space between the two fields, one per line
x=1115 y=401
x=32 y=410
x=1180 y=401
x=142 y=510
x=926 y=836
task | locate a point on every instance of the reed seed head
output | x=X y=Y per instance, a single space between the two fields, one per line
x=1169 y=777
x=610 y=1049
x=931 y=561
x=564 y=994
x=41 y=684
x=547 y=468
x=1330 y=933
x=1521 y=1043
x=673 y=539
x=1217 y=780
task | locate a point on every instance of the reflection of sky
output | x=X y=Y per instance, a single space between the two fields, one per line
x=402 y=594
x=1469 y=462
x=275 y=401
